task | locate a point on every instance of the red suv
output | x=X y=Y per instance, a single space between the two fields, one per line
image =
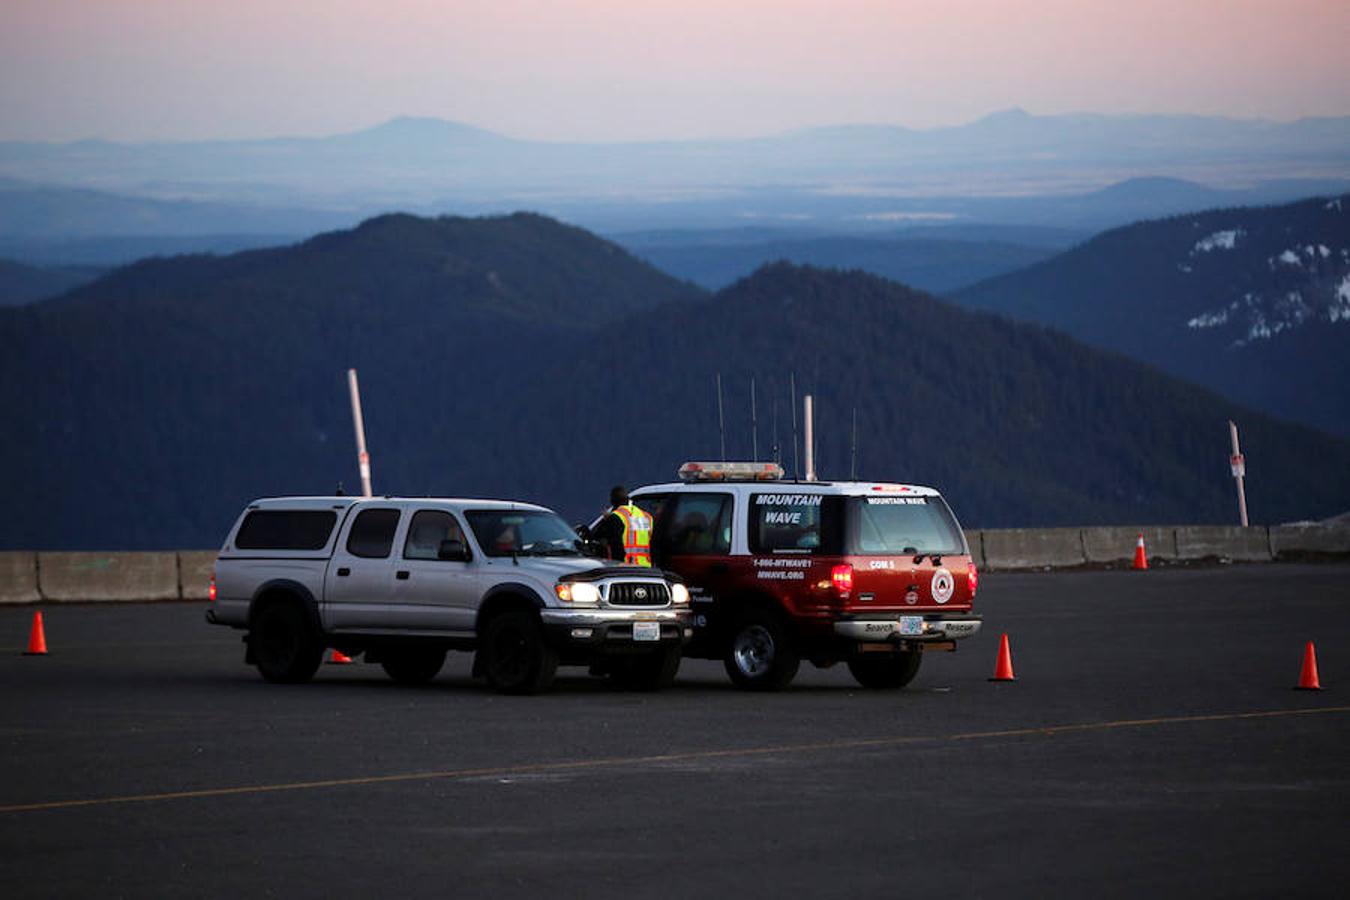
x=779 y=571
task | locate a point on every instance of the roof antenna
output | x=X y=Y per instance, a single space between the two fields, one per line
x=853 y=475
x=777 y=451
x=721 y=421
x=754 y=424
x=792 y=383
x=340 y=491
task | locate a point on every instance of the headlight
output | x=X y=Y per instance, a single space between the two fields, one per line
x=578 y=593
x=679 y=594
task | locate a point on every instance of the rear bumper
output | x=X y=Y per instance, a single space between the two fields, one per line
x=935 y=627
x=606 y=631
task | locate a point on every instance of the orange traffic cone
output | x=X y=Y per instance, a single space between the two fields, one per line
x=1307 y=677
x=1140 y=557
x=37 y=638
x=1003 y=670
x=339 y=658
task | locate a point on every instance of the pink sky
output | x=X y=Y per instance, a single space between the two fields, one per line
x=637 y=69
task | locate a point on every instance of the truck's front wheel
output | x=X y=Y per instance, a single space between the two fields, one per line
x=285 y=648
x=759 y=654
x=886 y=672
x=515 y=657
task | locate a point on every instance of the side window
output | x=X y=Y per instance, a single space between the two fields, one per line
x=429 y=527
x=795 y=523
x=372 y=534
x=698 y=524
x=286 y=529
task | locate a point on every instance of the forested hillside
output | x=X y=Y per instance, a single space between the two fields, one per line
x=1253 y=303
x=517 y=357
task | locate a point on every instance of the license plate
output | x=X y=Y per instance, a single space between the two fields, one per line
x=911 y=625
x=646 y=631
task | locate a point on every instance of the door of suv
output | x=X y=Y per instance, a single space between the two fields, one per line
x=430 y=593
x=693 y=539
x=360 y=579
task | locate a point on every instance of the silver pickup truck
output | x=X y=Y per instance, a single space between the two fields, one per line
x=403 y=581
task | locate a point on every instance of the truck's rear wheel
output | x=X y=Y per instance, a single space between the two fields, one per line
x=413 y=666
x=285 y=648
x=759 y=654
x=515 y=658
x=886 y=672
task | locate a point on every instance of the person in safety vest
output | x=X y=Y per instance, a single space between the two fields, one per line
x=626 y=532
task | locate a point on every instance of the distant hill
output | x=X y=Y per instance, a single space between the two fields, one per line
x=1253 y=303
x=926 y=263
x=21 y=283
x=517 y=357
x=1008 y=167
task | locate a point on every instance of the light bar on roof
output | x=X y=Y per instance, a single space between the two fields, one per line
x=730 y=471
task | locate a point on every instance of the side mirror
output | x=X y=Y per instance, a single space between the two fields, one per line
x=593 y=548
x=453 y=550
x=583 y=531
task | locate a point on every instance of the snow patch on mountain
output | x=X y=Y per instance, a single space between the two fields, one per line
x=1219 y=240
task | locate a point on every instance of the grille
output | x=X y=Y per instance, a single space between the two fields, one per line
x=638 y=594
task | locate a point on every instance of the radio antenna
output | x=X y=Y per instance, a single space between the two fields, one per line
x=853 y=476
x=792 y=384
x=721 y=421
x=754 y=424
x=777 y=453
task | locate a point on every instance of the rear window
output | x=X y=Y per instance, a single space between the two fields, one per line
x=891 y=526
x=286 y=529
x=796 y=523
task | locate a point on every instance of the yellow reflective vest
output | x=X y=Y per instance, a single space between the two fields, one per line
x=637 y=534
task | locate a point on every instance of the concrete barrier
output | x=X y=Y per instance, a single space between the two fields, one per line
x=1116 y=544
x=1224 y=542
x=976 y=541
x=74 y=577
x=194 y=573
x=18 y=578
x=1033 y=548
x=1291 y=540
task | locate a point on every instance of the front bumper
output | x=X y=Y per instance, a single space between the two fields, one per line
x=611 y=630
x=933 y=627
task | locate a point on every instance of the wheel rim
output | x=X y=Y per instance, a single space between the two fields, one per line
x=510 y=655
x=753 y=650
x=279 y=642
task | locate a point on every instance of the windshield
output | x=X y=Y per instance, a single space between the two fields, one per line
x=891 y=526
x=522 y=532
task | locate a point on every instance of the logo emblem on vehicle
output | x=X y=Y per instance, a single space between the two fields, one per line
x=942 y=586
x=640 y=593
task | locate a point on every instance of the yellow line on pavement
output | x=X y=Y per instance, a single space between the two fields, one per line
x=690 y=756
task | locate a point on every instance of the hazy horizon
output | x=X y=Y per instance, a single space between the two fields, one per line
x=605 y=70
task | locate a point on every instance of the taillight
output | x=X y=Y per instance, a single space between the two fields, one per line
x=211 y=589
x=972 y=580
x=842 y=576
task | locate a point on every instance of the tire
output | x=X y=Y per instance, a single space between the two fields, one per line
x=515 y=658
x=650 y=672
x=414 y=666
x=886 y=672
x=759 y=654
x=285 y=647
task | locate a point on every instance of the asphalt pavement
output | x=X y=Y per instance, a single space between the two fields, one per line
x=1152 y=745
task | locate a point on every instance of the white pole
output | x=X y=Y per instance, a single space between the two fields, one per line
x=808 y=433
x=1239 y=465
x=362 y=457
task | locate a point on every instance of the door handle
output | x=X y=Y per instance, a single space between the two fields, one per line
x=343 y=573
x=401 y=574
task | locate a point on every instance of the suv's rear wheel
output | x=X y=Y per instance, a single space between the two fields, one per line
x=650 y=672
x=759 y=654
x=414 y=666
x=888 y=671
x=285 y=647
x=515 y=657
